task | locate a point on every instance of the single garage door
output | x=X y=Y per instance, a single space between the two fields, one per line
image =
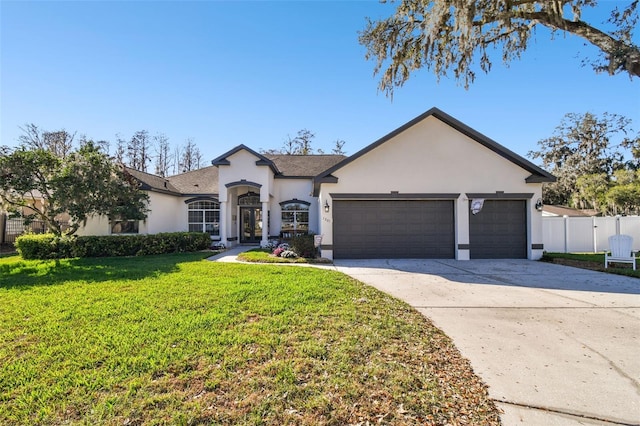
x=499 y=230
x=393 y=229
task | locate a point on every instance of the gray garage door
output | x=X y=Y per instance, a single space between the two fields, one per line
x=393 y=229
x=499 y=230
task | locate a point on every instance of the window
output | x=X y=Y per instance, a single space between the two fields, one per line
x=204 y=216
x=295 y=217
x=124 y=226
x=249 y=199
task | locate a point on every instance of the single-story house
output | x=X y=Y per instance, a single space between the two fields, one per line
x=433 y=188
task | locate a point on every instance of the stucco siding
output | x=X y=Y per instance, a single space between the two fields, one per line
x=168 y=214
x=96 y=225
x=243 y=167
x=288 y=189
x=433 y=158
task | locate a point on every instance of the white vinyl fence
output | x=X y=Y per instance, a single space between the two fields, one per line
x=587 y=234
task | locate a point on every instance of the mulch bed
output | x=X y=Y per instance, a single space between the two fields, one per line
x=594 y=266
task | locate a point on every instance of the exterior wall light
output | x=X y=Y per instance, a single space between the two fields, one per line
x=326 y=206
x=539 y=204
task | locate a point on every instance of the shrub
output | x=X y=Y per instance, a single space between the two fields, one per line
x=217 y=245
x=304 y=246
x=271 y=245
x=278 y=251
x=44 y=246
x=289 y=254
x=47 y=246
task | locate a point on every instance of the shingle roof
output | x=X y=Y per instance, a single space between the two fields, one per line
x=196 y=182
x=205 y=180
x=149 y=182
x=568 y=211
x=303 y=165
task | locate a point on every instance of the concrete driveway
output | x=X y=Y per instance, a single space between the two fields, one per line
x=556 y=345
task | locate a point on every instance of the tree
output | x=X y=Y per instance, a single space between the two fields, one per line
x=591 y=191
x=303 y=142
x=163 y=158
x=138 y=151
x=190 y=157
x=623 y=196
x=583 y=144
x=444 y=36
x=83 y=183
x=624 y=199
x=121 y=147
x=59 y=142
x=288 y=146
x=338 y=147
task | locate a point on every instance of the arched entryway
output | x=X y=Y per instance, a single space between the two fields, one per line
x=252 y=223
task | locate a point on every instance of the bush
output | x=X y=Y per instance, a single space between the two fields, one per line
x=289 y=254
x=44 y=246
x=47 y=246
x=304 y=246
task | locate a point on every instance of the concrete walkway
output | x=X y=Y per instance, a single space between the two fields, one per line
x=556 y=345
x=231 y=255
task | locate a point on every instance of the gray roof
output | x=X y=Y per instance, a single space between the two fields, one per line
x=205 y=181
x=197 y=182
x=569 y=211
x=286 y=165
x=307 y=166
x=150 y=182
x=538 y=175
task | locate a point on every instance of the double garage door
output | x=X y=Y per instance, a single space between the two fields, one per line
x=425 y=229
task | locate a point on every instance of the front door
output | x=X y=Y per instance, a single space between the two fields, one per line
x=250 y=225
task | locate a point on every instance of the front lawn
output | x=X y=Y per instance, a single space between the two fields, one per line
x=175 y=339
x=593 y=261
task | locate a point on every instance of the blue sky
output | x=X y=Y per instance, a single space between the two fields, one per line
x=229 y=73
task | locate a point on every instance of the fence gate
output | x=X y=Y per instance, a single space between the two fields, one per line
x=10 y=229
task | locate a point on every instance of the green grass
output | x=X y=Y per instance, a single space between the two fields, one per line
x=593 y=261
x=175 y=339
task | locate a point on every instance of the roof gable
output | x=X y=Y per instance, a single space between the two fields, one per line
x=223 y=160
x=538 y=175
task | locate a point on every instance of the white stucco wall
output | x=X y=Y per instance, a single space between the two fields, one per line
x=432 y=157
x=96 y=225
x=168 y=213
x=288 y=189
x=243 y=167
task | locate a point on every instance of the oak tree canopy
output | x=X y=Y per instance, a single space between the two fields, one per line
x=459 y=36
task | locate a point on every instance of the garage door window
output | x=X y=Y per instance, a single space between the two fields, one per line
x=295 y=218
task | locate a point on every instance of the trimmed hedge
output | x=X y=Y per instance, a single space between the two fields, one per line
x=49 y=246
x=43 y=246
x=304 y=246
